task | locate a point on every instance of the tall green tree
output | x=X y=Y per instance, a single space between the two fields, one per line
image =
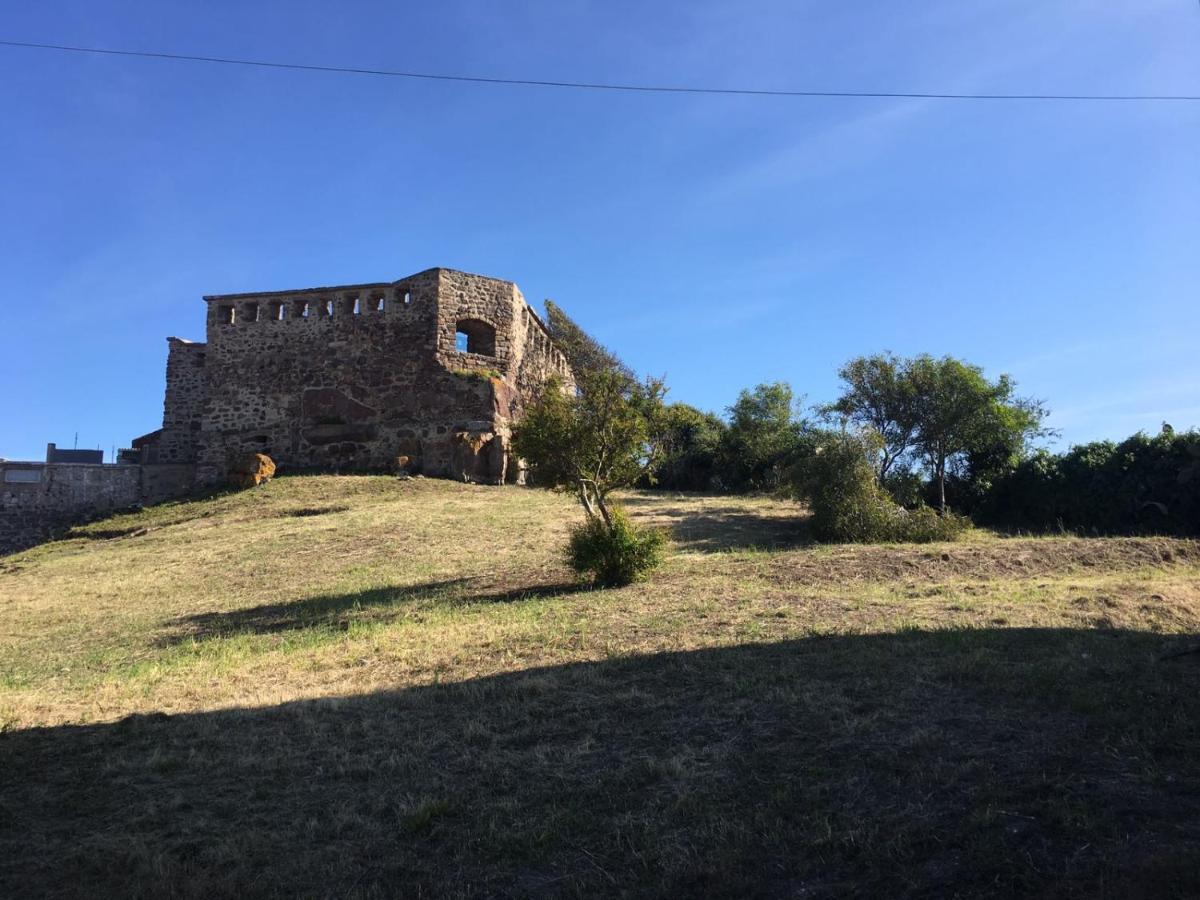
x=585 y=355
x=765 y=434
x=878 y=394
x=957 y=411
x=690 y=444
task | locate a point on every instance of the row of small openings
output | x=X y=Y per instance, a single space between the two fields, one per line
x=543 y=343
x=323 y=308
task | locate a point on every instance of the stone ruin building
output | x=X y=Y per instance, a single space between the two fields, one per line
x=427 y=374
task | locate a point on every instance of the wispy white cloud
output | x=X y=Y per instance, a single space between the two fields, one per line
x=970 y=62
x=1148 y=401
x=843 y=143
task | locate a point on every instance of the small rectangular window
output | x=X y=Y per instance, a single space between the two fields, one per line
x=277 y=310
x=250 y=312
x=475 y=336
x=407 y=298
x=224 y=315
x=377 y=303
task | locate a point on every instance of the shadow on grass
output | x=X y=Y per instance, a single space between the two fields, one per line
x=718 y=528
x=340 y=610
x=147 y=518
x=954 y=763
x=304 y=512
x=87 y=533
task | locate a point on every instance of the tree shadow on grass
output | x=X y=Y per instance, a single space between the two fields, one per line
x=721 y=527
x=1048 y=762
x=339 y=611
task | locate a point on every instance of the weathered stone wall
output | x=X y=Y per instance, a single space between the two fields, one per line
x=352 y=377
x=63 y=493
x=539 y=359
x=167 y=481
x=183 y=405
x=469 y=299
x=36 y=499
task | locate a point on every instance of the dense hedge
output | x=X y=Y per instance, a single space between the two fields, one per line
x=1141 y=485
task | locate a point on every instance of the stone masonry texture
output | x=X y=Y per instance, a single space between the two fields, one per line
x=37 y=499
x=350 y=378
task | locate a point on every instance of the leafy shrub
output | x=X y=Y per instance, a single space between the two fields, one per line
x=615 y=554
x=924 y=525
x=691 y=443
x=483 y=375
x=765 y=436
x=848 y=505
x=905 y=486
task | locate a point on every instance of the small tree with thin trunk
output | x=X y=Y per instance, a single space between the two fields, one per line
x=593 y=441
x=600 y=437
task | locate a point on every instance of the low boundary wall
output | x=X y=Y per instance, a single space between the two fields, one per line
x=37 y=499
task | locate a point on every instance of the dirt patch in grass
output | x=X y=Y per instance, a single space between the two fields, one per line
x=996 y=559
x=706 y=524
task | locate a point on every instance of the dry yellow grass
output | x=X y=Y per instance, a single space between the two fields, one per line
x=714 y=719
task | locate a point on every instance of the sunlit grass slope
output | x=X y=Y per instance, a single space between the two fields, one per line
x=377 y=687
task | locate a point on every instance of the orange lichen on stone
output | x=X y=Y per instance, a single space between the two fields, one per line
x=253 y=469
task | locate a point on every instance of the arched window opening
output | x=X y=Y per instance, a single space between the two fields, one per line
x=474 y=336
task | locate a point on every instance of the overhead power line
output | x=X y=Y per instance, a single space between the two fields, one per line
x=600 y=86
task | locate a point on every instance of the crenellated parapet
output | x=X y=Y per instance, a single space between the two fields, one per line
x=325 y=307
x=469 y=321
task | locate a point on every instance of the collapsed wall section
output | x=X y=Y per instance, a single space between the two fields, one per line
x=183 y=404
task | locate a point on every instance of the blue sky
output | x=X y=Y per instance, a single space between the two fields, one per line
x=723 y=241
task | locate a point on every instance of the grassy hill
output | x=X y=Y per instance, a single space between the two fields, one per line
x=371 y=687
